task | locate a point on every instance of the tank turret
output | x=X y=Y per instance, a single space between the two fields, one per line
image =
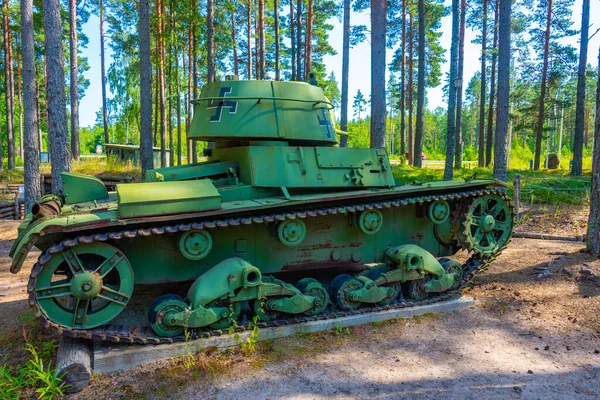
x=233 y=113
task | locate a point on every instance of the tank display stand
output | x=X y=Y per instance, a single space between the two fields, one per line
x=113 y=357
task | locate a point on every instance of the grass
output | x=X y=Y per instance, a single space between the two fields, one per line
x=545 y=186
x=88 y=166
x=34 y=377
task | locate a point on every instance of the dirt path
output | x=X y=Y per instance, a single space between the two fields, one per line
x=524 y=338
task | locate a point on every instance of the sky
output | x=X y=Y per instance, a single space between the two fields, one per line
x=360 y=58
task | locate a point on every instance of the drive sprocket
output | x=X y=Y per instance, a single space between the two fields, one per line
x=485 y=224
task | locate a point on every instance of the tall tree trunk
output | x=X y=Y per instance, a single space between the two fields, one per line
x=410 y=88
x=103 y=74
x=188 y=101
x=403 y=83
x=210 y=39
x=20 y=103
x=277 y=50
x=145 y=89
x=194 y=61
x=10 y=89
x=580 y=100
x=32 y=151
x=172 y=51
x=481 y=133
x=38 y=114
x=74 y=80
x=257 y=49
x=261 y=38
x=448 y=170
x=308 y=42
x=503 y=90
x=459 y=88
x=55 y=94
x=345 y=73
x=155 y=117
x=593 y=231
x=490 y=122
x=249 y=35
x=236 y=69
x=378 y=107
x=540 y=120
x=178 y=105
x=420 y=87
x=293 y=40
x=212 y=68
x=299 y=74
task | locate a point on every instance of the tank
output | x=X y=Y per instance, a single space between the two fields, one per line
x=279 y=224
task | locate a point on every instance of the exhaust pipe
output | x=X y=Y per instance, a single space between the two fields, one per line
x=47 y=206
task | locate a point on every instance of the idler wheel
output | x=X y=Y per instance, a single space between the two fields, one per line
x=159 y=311
x=84 y=286
x=312 y=287
x=341 y=286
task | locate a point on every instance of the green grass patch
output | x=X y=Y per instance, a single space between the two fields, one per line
x=34 y=378
x=545 y=186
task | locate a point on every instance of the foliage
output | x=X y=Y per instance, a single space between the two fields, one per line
x=35 y=375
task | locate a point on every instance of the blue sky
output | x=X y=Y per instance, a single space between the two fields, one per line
x=360 y=58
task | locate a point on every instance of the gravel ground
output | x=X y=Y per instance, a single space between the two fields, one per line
x=534 y=333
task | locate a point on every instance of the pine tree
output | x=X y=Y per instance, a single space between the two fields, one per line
x=448 y=170
x=481 y=130
x=73 y=69
x=378 y=46
x=579 y=110
x=504 y=15
x=593 y=231
x=30 y=131
x=490 y=123
x=359 y=104
x=55 y=94
x=145 y=89
x=459 y=88
x=345 y=73
x=103 y=73
x=420 y=87
x=9 y=89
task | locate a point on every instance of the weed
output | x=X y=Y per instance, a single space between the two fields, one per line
x=339 y=330
x=35 y=375
x=51 y=385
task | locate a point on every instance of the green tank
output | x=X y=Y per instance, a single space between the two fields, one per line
x=278 y=224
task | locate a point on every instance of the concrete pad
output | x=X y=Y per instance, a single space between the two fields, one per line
x=115 y=357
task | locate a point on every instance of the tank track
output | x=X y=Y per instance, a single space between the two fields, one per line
x=476 y=264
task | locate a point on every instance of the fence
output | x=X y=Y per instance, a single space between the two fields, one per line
x=11 y=209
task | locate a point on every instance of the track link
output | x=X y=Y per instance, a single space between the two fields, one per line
x=476 y=264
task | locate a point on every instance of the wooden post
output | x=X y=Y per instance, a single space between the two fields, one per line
x=517 y=194
x=16 y=207
x=74 y=363
x=42 y=184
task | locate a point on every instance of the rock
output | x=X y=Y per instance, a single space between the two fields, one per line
x=530 y=372
x=565 y=271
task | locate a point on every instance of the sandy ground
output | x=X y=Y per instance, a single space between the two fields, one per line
x=524 y=338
